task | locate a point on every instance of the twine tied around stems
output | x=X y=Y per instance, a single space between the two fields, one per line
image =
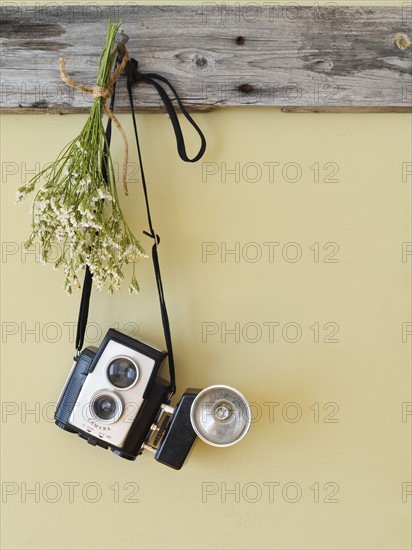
x=104 y=92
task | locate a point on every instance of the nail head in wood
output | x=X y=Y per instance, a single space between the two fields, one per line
x=240 y=40
x=246 y=88
x=402 y=41
x=121 y=40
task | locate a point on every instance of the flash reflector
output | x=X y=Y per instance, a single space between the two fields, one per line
x=220 y=415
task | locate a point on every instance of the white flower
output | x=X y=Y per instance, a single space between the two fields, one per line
x=134 y=286
x=69 y=212
x=19 y=196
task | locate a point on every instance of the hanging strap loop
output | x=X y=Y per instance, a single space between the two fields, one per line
x=134 y=76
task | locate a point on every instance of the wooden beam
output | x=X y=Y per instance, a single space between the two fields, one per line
x=300 y=59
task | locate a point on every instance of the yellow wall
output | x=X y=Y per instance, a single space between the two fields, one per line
x=364 y=456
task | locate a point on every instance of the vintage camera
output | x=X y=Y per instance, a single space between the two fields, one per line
x=115 y=398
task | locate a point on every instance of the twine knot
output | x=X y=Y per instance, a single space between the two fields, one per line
x=101 y=91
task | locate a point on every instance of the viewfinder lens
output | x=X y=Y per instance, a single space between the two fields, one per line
x=122 y=372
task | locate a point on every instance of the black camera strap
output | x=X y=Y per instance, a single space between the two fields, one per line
x=134 y=76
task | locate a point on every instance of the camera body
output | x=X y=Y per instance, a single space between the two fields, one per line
x=114 y=398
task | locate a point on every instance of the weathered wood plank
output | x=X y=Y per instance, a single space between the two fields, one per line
x=299 y=59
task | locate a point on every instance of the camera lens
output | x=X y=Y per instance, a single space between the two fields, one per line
x=105 y=407
x=122 y=372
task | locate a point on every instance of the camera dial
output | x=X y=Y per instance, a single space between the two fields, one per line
x=106 y=407
x=122 y=372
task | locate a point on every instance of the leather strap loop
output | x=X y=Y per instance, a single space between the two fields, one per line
x=134 y=76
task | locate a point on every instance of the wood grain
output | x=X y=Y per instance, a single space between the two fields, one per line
x=300 y=59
